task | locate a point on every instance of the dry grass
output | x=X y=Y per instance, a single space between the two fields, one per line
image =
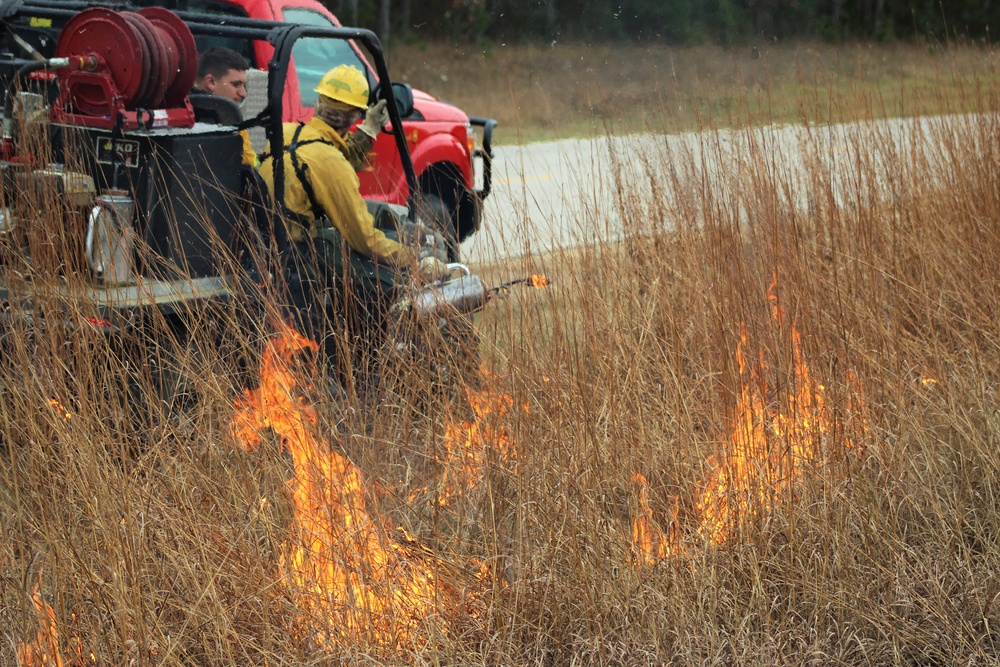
x=576 y=90
x=159 y=540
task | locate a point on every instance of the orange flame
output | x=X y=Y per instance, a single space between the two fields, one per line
x=60 y=410
x=44 y=650
x=771 y=447
x=538 y=281
x=349 y=581
x=647 y=539
x=469 y=444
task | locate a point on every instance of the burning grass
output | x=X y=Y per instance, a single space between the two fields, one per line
x=764 y=434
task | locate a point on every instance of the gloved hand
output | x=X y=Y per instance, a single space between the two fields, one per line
x=433 y=269
x=375 y=119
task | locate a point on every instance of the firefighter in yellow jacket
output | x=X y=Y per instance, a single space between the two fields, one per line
x=329 y=221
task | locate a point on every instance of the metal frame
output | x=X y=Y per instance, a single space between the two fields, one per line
x=282 y=36
x=486 y=152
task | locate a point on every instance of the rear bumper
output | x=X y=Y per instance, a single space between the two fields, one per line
x=112 y=309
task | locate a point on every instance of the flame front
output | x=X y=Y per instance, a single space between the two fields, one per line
x=468 y=444
x=538 y=281
x=647 y=539
x=348 y=580
x=43 y=650
x=771 y=446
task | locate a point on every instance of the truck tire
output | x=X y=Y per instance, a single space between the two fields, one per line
x=434 y=212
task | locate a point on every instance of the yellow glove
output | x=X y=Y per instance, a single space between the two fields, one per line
x=433 y=269
x=375 y=119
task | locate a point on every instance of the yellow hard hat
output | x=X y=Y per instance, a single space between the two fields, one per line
x=345 y=83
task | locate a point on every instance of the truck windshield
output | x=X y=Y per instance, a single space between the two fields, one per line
x=205 y=42
x=314 y=57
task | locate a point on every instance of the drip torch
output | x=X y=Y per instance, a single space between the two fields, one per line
x=465 y=293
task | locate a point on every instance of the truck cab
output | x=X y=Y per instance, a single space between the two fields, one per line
x=442 y=139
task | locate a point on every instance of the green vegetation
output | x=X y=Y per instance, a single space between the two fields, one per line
x=844 y=344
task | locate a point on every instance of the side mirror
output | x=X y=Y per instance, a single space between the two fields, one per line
x=404 y=99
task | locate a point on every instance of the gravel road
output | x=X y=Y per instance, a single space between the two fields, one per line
x=559 y=194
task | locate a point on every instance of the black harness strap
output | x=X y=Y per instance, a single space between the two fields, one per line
x=302 y=169
x=305 y=249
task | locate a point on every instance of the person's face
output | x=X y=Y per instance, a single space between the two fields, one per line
x=231 y=85
x=346 y=121
x=340 y=117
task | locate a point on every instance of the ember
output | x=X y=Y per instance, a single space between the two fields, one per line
x=60 y=410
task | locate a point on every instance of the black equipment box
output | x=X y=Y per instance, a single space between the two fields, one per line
x=186 y=183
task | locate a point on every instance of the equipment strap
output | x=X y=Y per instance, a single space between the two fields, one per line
x=302 y=169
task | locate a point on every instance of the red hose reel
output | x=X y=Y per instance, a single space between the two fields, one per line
x=140 y=67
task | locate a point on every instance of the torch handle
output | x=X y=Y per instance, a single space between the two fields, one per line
x=458 y=266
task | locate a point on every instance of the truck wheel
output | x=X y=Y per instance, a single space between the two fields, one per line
x=434 y=212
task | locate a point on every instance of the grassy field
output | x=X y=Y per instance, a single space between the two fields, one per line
x=766 y=436
x=575 y=90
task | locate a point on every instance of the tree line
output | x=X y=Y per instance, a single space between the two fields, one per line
x=673 y=21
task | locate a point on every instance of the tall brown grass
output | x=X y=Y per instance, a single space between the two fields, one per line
x=157 y=539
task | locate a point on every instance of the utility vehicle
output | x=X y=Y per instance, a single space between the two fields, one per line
x=126 y=210
x=441 y=138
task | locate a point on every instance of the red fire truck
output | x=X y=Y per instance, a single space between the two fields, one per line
x=442 y=138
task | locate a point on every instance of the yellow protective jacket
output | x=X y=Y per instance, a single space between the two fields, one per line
x=249 y=154
x=358 y=143
x=323 y=155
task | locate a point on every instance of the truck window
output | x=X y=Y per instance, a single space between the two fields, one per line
x=314 y=57
x=222 y=9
